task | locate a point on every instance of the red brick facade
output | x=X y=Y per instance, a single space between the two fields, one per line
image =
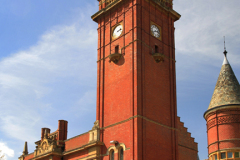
x=136 y=95
x=223 y=130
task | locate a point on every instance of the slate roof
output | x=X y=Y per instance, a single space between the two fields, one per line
x=227 y=89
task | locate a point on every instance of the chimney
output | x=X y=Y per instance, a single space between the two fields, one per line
x=62 y=130
x=47 y=130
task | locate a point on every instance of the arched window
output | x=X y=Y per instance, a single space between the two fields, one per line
x=112 y=155
x=121 y=154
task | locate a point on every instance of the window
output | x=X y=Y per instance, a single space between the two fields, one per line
x=156 y=49
x=215 y=157
x=112 y=155
x=117 y=49
x=121 y=154
x=223 y=155
x=236 y=154
x=230 y=155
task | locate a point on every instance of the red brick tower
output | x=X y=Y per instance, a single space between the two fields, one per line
x=136 y=95
x=223 y=116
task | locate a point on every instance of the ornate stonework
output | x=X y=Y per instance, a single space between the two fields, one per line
x=47 y=145
x=95 y=132
x=109 y=1
x=96 y=125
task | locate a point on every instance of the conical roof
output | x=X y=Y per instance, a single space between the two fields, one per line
x=227 y=89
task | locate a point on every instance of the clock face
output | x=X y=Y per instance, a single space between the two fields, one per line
x=155 y=31
x=117 y=31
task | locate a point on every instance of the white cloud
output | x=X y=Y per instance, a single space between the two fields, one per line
x=6 y=151
x=200 y=31
x=199 y=37
x=34 y=81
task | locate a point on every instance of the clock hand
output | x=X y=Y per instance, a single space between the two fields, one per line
x=119 y=30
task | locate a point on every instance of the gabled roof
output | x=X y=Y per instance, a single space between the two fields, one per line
x=227 y=89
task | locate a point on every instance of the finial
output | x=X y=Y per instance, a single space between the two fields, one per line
x=25 y=149
x=225 y=52
x=225 y=61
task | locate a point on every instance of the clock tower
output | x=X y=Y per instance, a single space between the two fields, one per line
x=136 y=82
x=136 y=91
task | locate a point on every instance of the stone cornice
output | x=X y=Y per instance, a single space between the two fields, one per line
x=176 y=16
x=46 y=155
x=231 y=106
x=102 y=11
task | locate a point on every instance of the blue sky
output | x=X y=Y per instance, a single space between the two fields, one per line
x=48 y=65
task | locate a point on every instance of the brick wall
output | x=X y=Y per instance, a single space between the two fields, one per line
x=137 y=85
x=76 y=142
x=188 y=149
x=223 y=129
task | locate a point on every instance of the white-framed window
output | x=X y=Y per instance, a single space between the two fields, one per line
x=236 y=155
x=230 y=155
x=223 y=155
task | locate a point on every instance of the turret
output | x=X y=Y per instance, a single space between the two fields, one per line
x=223 y=115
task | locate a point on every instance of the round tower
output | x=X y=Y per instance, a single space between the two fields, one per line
x=223 y=116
